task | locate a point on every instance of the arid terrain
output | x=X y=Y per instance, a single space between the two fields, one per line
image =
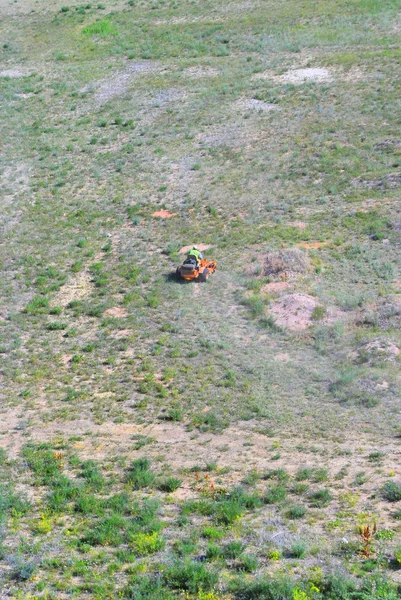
x=238 y=439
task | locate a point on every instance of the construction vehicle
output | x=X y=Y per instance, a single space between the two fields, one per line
x=196 y=269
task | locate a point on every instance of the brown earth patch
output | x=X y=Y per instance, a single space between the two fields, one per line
x=294 y=311
x=299 y=224
x=164 y=214
x=201 y=71
x=254 y=104
x=14 y=73
x=389 y=181
x=282 y=357
x=311 y=245
x=122 y=333
x=76 y=288
x=275 y=287
x=299 y=76
x=66 y=359
x=201 y=247
x=116 y=311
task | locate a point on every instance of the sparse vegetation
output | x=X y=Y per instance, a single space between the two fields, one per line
x=235 y=440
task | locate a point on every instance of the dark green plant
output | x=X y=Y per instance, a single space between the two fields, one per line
x=296 y=512
x=139 y=475
x=320 y=498
x=391 y=491
x=190 y=576
x=170 y=484
x=274 y=494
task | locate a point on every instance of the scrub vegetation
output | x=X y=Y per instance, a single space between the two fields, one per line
x=231 y=440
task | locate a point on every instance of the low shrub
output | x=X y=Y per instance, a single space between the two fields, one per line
x=391 y=491
x=190 y=576
x=296 y=512
x=275 y=494
x=170 y=484
x=139 y=474
x=146 y=543
x=320 y=498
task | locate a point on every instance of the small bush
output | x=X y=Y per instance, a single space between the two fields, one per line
x=296 y=512
x=90 y=472
x=11 y=503
x=247 y=563
x=56 y=326
x=170 y=484
x=107 y=532
x=146 y=588
x=146 y=543
x=43 y=462
x=190 y=576
x=228 y=511
x=279 y=474
x=304 y=473
x=275 y=494
x=102 y=28
x=233 y=550
x=261 y=589
x=37 y=305
x=319 y=312
x=297 y=550
x=320 y=498
x=391 y=491
x=23 y=570
x=139 y=475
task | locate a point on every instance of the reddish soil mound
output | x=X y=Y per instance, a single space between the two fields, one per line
x=163 y=214
x=294 y=311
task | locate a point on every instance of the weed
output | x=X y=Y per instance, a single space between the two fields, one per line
x=102 y=28
x=391 y=491
x=367 y=534
x=296 y=512
x=297 y=550
x=139 y=475
x=190 y=576
x=320 y=498
x=146 y=543
x=275 y=494
x=170 y=484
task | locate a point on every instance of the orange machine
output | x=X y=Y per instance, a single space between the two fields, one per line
x=191 y=269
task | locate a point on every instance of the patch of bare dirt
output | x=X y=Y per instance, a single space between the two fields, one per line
x=388 y=145
x=391 y=180
x=312 y=74
x=65 y=359
x=201 y=247
x=119 y=83
x=312 y=245
x=122 y=333
x=116 y=311
x=294 y=311
x=76 y=288
x=254 y=104
x=198 y=72
x=167 y=96
x=298 y=224
x=14 y=73
x=378 y=350
x=238 y=135
x=282 y=357
x=164 y=214
x=275 y=287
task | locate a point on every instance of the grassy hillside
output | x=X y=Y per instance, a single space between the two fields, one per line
x=233 y=440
